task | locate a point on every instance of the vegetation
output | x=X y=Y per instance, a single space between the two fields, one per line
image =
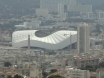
x=48 y=22
x=45 y=74
x=7 y=64
x=92 y=77
x=56 y=76
x=53 y=71
x=89 y=67
x=9 y=26
x=18 y=7
x=9 y=76
x=18 y=76
x=79 y=20
x=101 y=65
x=93 y=68
x=98 y=28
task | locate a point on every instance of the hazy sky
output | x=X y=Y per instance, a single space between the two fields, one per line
x=93 y=2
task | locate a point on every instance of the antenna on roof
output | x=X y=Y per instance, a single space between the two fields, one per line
x=28 y=41
x=70 y=41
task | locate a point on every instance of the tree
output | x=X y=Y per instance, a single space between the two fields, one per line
x=7 y=64
x=53 y=70
x=18 y=76
x=45 y=74
x=9 y=76
x=56 y=76
x=101 y=65
x=89 y=67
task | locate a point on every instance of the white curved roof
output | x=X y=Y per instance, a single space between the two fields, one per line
x=57 y=40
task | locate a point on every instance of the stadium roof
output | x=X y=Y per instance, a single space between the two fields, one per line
x=59 y=38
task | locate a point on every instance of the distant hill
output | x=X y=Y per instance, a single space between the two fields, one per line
x=18 y=6
x=25 y=7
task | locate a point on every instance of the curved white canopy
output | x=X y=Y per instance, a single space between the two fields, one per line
x=55 y=41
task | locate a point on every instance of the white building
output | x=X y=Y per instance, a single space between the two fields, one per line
x=100 y=73
x=80 y=8
x=55 y=41
x=97 y=15
x=100 y=14
x=42 y=12
x=90 y=15
x=83 y=43
x=32 y=24
x=60 y=9
x=77 y=73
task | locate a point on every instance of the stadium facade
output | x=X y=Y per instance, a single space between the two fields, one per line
x=55 y=41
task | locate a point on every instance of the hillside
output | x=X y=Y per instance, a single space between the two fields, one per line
x=18 y=7
x=25 y=7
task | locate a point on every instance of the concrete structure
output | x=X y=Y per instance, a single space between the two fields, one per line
x=83 y=43
x=42 y=12
x=95 y=15
x=31 y=24
x=55 y=41
x=90 y=15
x=27 y=71
x=77 y=73
x=60 y=9
x=80 y=8
x=100 y=14
x=100 y=73
x=85 y=60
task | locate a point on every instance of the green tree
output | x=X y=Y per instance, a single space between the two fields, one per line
x=101 y=65
x=53 y=70
x=89 y=67
x=9 y=76
x=45 y=74
x=7 y=64
x=18 y=76
x=56 y=76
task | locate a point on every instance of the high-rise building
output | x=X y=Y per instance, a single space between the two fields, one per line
x=100 y=14
x=83 y=44
x=52 y=5
x=77 y=73
x=90 y=15
x=60 y=9
x=80 y=8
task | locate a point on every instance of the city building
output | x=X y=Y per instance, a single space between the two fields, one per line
x=100 y=73
x=80 y=8
x=60 y=9
x=32 y=24
x=52 y=5
x=42 y=12
x=84 y=61
x=27 y=71
x=77 y=73
x=95 y=15
x=100 y=14
x=55 y=41
x=90 y=15
x=83 y=33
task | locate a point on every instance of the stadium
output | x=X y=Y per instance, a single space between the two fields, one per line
x=54 y=41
